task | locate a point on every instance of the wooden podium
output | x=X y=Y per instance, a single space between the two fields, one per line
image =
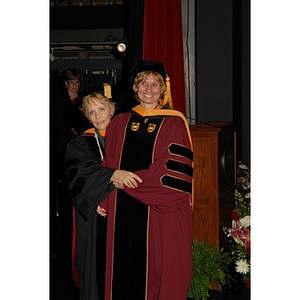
x=214 y=146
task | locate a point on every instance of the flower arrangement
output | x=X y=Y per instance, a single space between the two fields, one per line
x=239 y=233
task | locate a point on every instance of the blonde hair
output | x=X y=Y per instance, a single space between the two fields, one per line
x=95 y=98
x=142 y=76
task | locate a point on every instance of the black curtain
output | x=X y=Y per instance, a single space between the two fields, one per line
x=133 y=35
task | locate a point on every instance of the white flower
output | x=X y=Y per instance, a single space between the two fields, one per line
x=247 y=196
x=244 y=167
x=246 y=186
x=242 y=266
x=245 y=221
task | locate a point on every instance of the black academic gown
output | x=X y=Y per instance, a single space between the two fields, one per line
x=89 y=183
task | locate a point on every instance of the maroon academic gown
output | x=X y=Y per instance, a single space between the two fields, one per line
x=149 y=237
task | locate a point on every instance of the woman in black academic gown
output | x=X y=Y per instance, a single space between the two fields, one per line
x=89 y=183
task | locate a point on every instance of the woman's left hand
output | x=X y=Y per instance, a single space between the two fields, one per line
x=101 y=211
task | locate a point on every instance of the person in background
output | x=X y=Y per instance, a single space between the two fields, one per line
x=66 y=123
x=67 y=118
x=89 y=183
x=149 y=230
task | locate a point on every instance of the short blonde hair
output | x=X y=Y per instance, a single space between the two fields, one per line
x=95 y=98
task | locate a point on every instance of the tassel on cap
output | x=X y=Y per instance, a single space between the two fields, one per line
x=168 y=97
x=107 y=90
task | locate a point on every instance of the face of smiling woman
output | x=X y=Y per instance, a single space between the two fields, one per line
x=148 y=92
x=100 y=114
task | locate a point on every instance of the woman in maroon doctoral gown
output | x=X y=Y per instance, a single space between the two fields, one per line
x=149 y=237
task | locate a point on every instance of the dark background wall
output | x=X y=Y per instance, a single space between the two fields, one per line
x=214 y=60
x=223 y=66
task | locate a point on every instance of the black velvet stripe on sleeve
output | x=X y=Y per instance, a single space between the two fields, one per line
x=77 y=187
x=177 y=149
x=71 y=174
x=179 y=167
x=176 y=184
x=71 y=161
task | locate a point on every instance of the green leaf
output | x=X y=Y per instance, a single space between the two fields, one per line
x=209 y=264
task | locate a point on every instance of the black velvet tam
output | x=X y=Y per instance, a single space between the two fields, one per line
x=148 y=65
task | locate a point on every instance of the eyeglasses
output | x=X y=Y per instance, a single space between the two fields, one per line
x=73 y=82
